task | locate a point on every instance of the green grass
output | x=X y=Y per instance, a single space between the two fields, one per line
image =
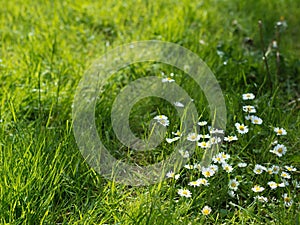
x=45 y=49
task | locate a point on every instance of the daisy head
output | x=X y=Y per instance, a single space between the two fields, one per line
x=193 y=137
x=280 y=131
x=206 y=210
x=184 y=193
x=249 y=109
x=241 y=128
x=233 y=184
x=248 y=96
x=258 y=188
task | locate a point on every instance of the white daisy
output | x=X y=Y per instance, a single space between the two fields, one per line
x=248 y=96
x=241 y=128
x=280 y=131
x=272 y=185
x=249 y=109
x=242 y=164
x=206 y=210
x=233 y=184
x=170 y=140
x=288 y=201
x=195 y=183
x=258 y=188
x=193 y=137
x=184 y=154
x=256 y=120
x=184 y=193
x=228 y=168
x=203 y=181
x=202 y=123
x=279 y=150
x=207 y=172
x=204 y=144
x=230 y=138
x=258 y=169
x=167 y=80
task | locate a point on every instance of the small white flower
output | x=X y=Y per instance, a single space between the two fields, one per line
x=214 y=167
x=176 y=177
x=241 y=128
x=256 y=120
x=202 y=123
x=162 y=119
x=204 y=144
x=280 y=131
x=285 y=175
x=218 y=159
x=195 y=183
x=206 y=210
x=228 y=168
x=288 y=201
x=249 y=109
x=290 y=168
x=184 y=193
x=184 y=154
x=224 y=155
x=215 y=140
x=203 y=181
x=275 y=169
x=241 y=165
x=233 y=184
x=248 y=96
x=189 y=167
x=193 y=137
x=205 y=136
x=170 y=140
x=258 y=169
x=216 y=131
x=279 y=150
x=197 y=166
x=170 y=174
x=272 y=185
x=230 y=138
x=258 y=188
x=177 y=133
x=167 y=80
x=179 y=104
x=261 y=198
x=207 y=172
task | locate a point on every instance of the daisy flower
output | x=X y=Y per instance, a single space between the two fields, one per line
x=288 y=201
x=184 y=193
x=195 y=183
x=206 y=210
x=279 y=150
x=207 y=172
x=215 y=140
x=272 y=185
x=285 y=175
x=256 y=120
x=224 y=155
x=280 y=131
x=170 y=140
x=177 y=133
x=242 y=165
x=275 y=169
x=193 y=137
x=258 y=169
x=202 y=123
x=228 y=168
x=179 y=104
x=241 y=128
x=171 y=174
x=218 y=159
x=230 y=138
x=205 y=136
x=258 y=188
x=261 y=198
x=203 y=181
x=249 y=109
x=216 y=131
x=204 y=144
x=189 y=167
x=167 y=80
x=248 y=96
x=184 y=154
x=233 y=184
x=290 y=168
x=214 y=167
x=163 y=120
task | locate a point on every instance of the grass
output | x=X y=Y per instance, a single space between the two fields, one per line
x=45 y=49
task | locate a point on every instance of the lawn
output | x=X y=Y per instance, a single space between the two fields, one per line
x=251 y=47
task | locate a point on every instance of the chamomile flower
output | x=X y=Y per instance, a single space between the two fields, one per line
x=290 y=168
x=205 y=136
x=258 y=169
x=242 y=165
x=285 y=175
x=207 y=172
x=279 y=150
x=256 y=120
x=171 y=174
x=280 y=131
x=233 y=184
x=224 y=155
x=184 y=154
x=184 y=193
x=248 y=96
x=249 y=109
x=288 y=201
x=272 y=185
x=203 y=181
x=228 y=168
x=218 y=159
x=230 y=138
x=179 y=104
x=197 y=166
x=206 y=210
x=258 y=188
x=163 y=120
x=275 y=169
x=193 y=137
x=261 y=198
x=215 y=140
x=170 y=140
x=189 y=167
x=216 y=131
x=195 y=183
x=214 y=167
x=177 y=133
x=202 y=123
x=161 y=117
x=204 y=144
x=241 y=128
x=167 y=80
